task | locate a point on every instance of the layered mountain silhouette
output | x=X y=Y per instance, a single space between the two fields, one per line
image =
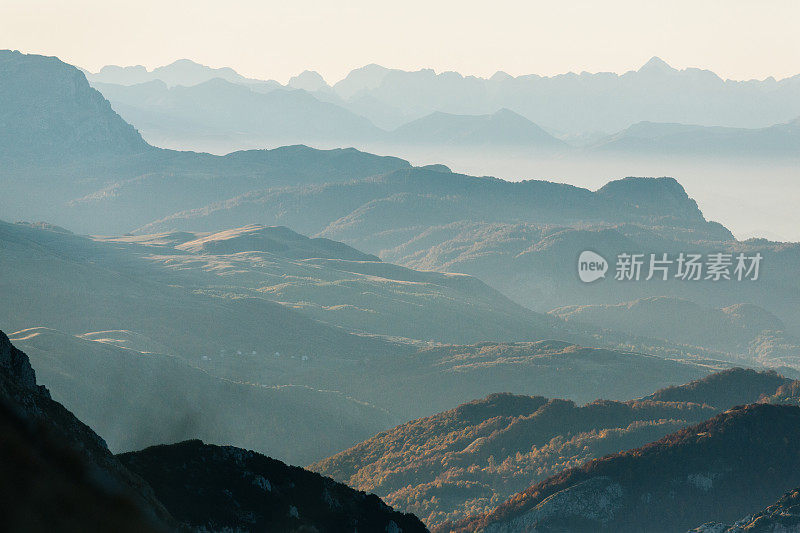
x=581 y=102
x=59 y=475
x=518 y=237
x=50 y=112
x=649 y=138
x=219 y=107
x=503 y=129
x=468 y=459
x=572 y=102
x=183 y=72
x=688 y=477
x=523 y=238
x=301 y=302
x=687 y=113
x=137 y=399
x=222 y=488
x=783 y=515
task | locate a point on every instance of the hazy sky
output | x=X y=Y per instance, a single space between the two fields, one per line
x=739 y=39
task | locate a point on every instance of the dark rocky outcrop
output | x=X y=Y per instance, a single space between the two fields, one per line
x=57 y=474
x=218 y=488
x=782 y=516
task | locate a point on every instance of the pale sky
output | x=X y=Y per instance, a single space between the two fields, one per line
x=738 y=39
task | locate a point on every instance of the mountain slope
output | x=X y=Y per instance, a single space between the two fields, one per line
x=405 y=200
x=77 y=285
x=47 y=487
x=92 y=172
x=469 y=459
x=136 y=400
x=501 y=129
x=523 y=239
x=334 y=283
x=780 y=140
x=49 y=112
x=61 y=461
x=176 y=116
x=782 y=516
x=578 y=102
x=224 y=488
x=735 y=386
x=730 y=328
x=673 y=484
x=280 y=240
x=59 y=475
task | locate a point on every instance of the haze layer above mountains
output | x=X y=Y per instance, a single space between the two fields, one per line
x=302 y=302
x=719 y=136
x=606 y=102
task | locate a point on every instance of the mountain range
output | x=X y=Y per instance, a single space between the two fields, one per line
x=217 y=315
x=687 y=112
x=469 y=459
x=691 y=476
x=517 y=237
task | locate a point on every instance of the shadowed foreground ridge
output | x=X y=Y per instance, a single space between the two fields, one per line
x=687 y=478
x=782 y=516
x=226 y=488
x=56 y=474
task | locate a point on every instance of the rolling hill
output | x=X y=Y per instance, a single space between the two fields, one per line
x=734 y=328
x=136 y=400
x=222 y=488
x=333 y=283
x=469 y=459
x=76 y=285
x=693 y=475
x=59 y=475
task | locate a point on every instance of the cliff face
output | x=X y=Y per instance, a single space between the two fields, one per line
x=16 y=366
x=56 y=474
x=48 y=110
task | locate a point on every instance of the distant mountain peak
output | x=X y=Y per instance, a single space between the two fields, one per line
x=501 y=76
x=48 y=110
x=656 y=64
x=308 y=80
x=361 y=79
x=184 y=61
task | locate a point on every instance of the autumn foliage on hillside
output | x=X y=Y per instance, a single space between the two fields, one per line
x=689 y=477
x=468 y=460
